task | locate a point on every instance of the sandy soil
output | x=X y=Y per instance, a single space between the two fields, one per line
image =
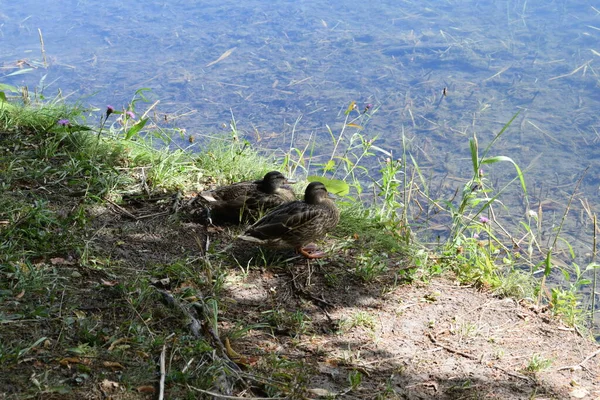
x=434 y=340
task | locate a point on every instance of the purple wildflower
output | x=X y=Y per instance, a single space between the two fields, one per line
x=484 y=220
x=475 y=235
x=109 y=110
x=130 y=114
x=64 y=122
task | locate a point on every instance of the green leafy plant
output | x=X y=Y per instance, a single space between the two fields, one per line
x=537 y=363
x=355 y=379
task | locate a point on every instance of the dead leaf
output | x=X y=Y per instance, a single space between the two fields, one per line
x=118 y=342
x=230 y=352
x=351 y=125
x=109 y=386
x=108 y=283
x=237 y=357
x=60 y=261
x=65 y=362
x=142 y=354
x=20 y=294
x=113 y=365
x=322 y=392
x=222 y=57
x=146 y=389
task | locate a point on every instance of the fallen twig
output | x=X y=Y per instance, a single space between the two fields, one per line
x=320 y=300
x=199 y=324
x=158 y=214
x=216 y=340
x=450 y=349
x=223 y=396
x=472 y=357
x=580 y=365
x=122 y=210
x=161 y=384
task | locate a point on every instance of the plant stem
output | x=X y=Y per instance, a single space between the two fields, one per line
x=593 y=261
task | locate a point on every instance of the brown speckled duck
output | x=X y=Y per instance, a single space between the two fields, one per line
x=298 y=223
x=246 y=201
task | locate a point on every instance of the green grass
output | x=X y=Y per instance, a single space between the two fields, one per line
x=81 y=306
x=537 y=363
x=359 y=319
x=74 y=295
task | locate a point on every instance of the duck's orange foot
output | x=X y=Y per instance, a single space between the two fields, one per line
x=310 y=251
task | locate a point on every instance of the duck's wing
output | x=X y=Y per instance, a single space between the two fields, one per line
x=233 y=191
x=284 y=220
x=233 y=210
x=286 y=193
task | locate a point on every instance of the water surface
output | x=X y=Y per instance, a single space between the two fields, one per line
x=295 y=66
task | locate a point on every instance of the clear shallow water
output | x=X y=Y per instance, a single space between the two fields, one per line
x=309 y=59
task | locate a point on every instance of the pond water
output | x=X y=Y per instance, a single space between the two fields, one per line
x=287 y=69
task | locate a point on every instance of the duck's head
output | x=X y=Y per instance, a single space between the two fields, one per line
x=316 y=193
x=273 y=181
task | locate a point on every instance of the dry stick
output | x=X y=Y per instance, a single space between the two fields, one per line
x=450 y=349
x=544 y=133
x=584 y=65
x=294 y=83
x=471 y=357
x=196 y=314
x=122 y=210
x=223 y=396
x=60 y=316
x=158 y=214
x=203 y=246
x=43 y=48
x=161 y=385
x=150 y=109
x=503 y=70
x=322 y=302
x=512 y=239
x=221 y=57
x=594 y=354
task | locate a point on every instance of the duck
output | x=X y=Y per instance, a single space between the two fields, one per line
x=246 y=201
x=297 y=223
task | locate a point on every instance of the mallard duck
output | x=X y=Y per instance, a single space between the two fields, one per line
x=246 y=201
x=297 y=223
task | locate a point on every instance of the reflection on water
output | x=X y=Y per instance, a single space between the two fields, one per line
x=269 y=63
